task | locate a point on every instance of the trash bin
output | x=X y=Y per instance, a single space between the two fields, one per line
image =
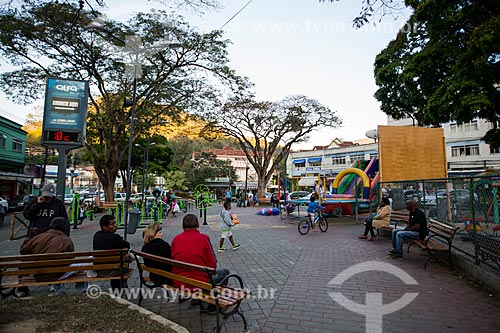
x=133 y=221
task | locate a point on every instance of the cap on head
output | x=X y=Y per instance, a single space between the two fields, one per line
x=59 y=223
x=48 y=190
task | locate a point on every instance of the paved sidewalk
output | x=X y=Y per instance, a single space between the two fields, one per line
x=290 y=276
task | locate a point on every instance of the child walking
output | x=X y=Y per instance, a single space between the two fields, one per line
x=226 y=225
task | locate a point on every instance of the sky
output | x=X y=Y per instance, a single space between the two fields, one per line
x=290 y=47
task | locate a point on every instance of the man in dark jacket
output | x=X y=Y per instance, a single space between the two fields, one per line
x=108 y=239
x=40 y=211
x=416 y=229
x=53 y=240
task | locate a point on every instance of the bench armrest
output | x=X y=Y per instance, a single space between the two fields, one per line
x=225 y=281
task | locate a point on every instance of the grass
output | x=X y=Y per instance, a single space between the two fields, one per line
x=73 y=313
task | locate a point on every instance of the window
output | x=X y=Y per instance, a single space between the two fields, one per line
x=494 y=150
x=314 y=164
x=373 y=155
x=300 y=165
x=336 y=160
x=3 y=138
x=17 y=145
x=468 y=150
x=357 y=157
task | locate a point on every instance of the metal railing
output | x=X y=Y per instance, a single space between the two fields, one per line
x=470 y=203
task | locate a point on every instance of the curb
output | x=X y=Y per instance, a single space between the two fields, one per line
x=162 y=320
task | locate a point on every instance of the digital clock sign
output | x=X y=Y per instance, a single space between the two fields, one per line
x=65 y=113
x=62 y=136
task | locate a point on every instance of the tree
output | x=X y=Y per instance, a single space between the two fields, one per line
x=445 y=69
x=206 y=166
x=45 y=40
x=266 y=131
x=376 y=10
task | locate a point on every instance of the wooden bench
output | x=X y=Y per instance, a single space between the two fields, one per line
x=17 y=271
x=226 y=299
x=438 y=242
x=396 y=218
x=488 y=247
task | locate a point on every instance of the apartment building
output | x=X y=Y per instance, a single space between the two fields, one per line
x=466 y=154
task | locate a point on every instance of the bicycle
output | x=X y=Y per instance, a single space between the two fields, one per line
x=305 y=225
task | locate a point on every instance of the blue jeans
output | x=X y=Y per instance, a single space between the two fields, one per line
x=399 y=236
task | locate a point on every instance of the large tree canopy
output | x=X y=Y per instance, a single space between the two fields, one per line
x=46 y=41
x=267 y=130
x=447 y=68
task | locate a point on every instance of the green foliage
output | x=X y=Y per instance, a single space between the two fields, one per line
x=447 y=68
x=47 y=39
x=175 y=180
x=266 y=131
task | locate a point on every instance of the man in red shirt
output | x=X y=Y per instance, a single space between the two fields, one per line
x=195 y=248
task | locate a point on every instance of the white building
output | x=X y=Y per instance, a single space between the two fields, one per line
x=466 y=154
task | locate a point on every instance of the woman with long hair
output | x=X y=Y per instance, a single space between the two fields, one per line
x=381 y=219
x=154 y=244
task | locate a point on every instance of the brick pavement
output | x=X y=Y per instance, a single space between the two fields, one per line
x=299 y=268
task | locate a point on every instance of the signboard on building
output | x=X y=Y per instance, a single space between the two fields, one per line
x=65 y=112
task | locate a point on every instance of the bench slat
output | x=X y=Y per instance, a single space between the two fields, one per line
x=27 y=281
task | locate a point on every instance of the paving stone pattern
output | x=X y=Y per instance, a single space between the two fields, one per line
x=298 y=269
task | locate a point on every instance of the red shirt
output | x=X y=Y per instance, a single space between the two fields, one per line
x=193 y=247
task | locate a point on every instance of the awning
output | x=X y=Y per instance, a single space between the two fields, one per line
x=299 y=161
x=314 y=159
x=307 y=181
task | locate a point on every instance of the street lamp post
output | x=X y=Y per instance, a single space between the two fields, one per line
x=96 y=26
x=72 y=174
x=145 y=162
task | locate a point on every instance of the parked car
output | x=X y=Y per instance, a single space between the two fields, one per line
x=68 y=198
x=413 y=195
x=298 y=194
x=22 y=203
x=4 y=205
x=460 y=196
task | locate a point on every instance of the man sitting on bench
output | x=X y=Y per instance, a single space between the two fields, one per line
x=416 y=229
x=193 y=247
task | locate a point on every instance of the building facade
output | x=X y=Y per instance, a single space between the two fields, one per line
x=15 y=178
x=466 y=154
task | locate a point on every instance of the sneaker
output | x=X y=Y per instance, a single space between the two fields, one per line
x=373 y=238
x=52 y=289
x=395 y=257
x=391 y=252
x=221 y=249
x=362 y=237
x=21 y=294
x=236 y=246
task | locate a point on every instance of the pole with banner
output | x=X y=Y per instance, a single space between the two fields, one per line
x=64 y=121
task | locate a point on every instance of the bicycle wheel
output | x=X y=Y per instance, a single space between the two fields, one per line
x=304 y=227
x=323 y=225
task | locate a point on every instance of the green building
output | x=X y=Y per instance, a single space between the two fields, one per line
x=14 y=178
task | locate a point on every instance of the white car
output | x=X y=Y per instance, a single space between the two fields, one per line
x=5 y=204
x=68 y=198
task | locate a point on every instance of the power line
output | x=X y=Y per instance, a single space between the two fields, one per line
x=232 y=17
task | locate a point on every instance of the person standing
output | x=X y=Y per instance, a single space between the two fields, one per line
x=40 y=211
x=226 y=225
x=416 y=229
x=155 y=245
x=108 y=239
x=228 y=195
